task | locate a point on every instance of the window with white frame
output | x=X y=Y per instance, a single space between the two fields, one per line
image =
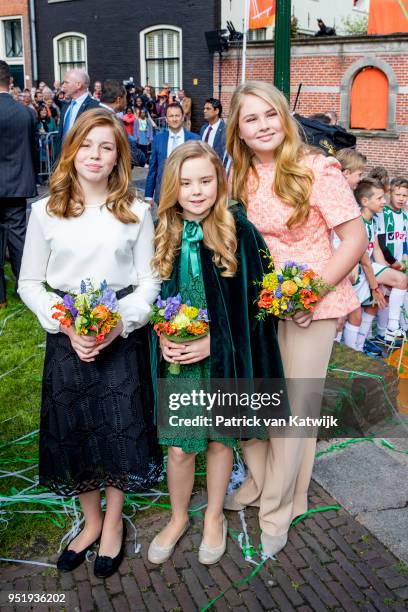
x=161 y=57
x=13 y=39
x=69 y=53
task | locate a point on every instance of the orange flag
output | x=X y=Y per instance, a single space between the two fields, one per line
x=261 y=13
x=388 y=16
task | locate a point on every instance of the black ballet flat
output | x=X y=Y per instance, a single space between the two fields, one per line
x=70 y=560
x=107 y=566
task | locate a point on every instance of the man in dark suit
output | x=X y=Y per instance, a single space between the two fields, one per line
x=213 y=131
x=17 y=175
x=75 y=85
x=163 y=144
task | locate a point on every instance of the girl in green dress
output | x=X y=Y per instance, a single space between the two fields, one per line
x=208 y=251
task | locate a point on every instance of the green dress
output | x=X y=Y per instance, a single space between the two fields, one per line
x=192 y=290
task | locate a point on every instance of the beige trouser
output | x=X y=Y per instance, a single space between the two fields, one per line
x=279 y=469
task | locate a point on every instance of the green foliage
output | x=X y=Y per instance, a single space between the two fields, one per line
x=354 y=25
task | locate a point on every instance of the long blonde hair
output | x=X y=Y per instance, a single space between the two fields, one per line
x=218 y=227
x=293 y=181
x=66 y=196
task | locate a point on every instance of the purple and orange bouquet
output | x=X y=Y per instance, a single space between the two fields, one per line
x=93 y=312
x=294 y=288
x=178 y=322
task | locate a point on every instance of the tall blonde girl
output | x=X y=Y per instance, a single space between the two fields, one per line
x=295 y=197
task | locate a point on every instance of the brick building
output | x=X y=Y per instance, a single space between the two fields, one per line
x=328 y=69
x=154 y=43
x=15 y=45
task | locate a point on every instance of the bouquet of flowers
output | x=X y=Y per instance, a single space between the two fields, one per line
x=292 y=289
x=178 y=322
x=93 y=312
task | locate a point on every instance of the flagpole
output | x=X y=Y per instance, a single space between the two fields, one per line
x=244 y=41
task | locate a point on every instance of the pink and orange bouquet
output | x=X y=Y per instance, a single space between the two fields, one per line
x=93 y=312
x=178 y=322
x=294 y=288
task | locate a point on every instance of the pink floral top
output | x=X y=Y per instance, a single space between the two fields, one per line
x=332 y=203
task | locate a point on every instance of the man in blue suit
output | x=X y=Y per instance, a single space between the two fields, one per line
x=213 y=131
x=76 y=83
x=163 y=144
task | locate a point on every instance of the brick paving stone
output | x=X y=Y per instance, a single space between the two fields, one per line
x=72 y=602
x=183 y=597
x=194 y=588
x=378 y=600
x=318 y=586
x=367 y=607
x=313 y=563
x=312 y=598
x=179 y=560
x=200 y=570
x=232 y=571
x=170 y=574
x=120 y=603
x=124 y=568
x=294 y=556
x=290 y=569
x=338 y=573
x=377 y=584
x=344 y=547
x=321 y=535
x=80 y=573
x=294 y=538
x=402 y=593
x=342 y=596
x=140 y=573
x=132 y=593
x=321 y=520
x=101 y=599
x=315 y=546
x=151 y=602
x=164 y=594
x=85 y=596
x=66 y=581
x=262 y=593
x=251 y=602
x=224 y=584
x=113 y=584
x=350 y=569
x=338 y=520
x=286 y=585
x=281 y=599
x=304 y=609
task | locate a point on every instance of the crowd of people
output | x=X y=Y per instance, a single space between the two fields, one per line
x=97 y=428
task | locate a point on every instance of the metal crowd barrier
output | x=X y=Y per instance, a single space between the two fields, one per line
x=47 y=153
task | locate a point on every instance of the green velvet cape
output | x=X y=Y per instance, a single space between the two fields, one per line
x=241 y=345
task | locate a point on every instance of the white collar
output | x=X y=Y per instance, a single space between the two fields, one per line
x=215 y=125
x=106 y=106
x=175 y=134
x=79 y=101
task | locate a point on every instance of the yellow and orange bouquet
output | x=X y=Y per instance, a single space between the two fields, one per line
x=93 y=312
x=178 y=322
x=294 y=288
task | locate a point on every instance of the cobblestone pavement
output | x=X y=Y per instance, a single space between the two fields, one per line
x=331 y=562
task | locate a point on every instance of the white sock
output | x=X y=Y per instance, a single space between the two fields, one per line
x=350 y=335
x=365 y=329
x=339 y=336
x=404 y=314
x=397 y=297
x=382 y=320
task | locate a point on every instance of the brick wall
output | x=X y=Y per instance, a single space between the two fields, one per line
x=321 y=65
x=17 y=8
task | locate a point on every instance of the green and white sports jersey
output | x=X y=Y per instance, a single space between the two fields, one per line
x=395 y=227
x=371 y=228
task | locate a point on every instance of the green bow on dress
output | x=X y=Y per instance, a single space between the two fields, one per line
x=190 y=250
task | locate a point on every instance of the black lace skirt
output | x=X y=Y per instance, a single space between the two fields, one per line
x=97 y=425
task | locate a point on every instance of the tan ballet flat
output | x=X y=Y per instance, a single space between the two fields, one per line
x=207 y=555
x=271 y=545
x=160 y=554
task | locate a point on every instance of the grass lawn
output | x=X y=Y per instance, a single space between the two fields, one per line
x=29 y=529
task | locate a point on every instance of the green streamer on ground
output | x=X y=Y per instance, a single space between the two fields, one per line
x=340 y=445
x=235 y=584
x=302 y=517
